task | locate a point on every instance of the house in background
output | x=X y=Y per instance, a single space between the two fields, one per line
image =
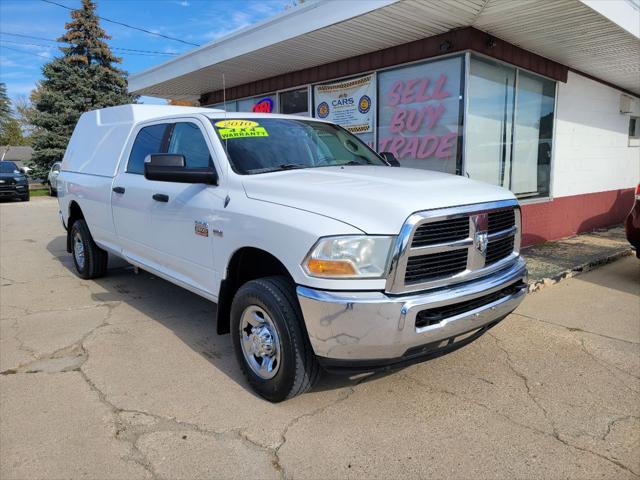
x=540 y=97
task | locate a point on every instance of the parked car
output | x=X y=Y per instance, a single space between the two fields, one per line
x=13 y=183
x=632 y=225
x=52 y=179
x=319 y=253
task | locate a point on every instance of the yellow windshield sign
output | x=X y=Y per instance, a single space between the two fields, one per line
x=229 y=133
x=236 y=124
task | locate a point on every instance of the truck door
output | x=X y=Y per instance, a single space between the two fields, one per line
x=184 y=216
x=131 y=194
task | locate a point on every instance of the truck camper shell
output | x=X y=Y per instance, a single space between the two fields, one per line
x=101 y=135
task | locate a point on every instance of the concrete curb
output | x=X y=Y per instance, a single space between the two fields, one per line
x=539 y=284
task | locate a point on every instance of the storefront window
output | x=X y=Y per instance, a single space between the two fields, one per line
x=261 y=104
x=532 y=135
x=489 y=121
x=295 y=102
x=419 y=114
x=509 y=127
x=228 y=106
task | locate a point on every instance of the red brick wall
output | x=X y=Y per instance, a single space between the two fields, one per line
x=567 y=216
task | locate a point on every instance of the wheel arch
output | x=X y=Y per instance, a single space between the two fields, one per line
x=246 y=263
x=75 y=213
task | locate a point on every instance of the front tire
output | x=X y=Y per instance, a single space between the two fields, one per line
x=270 y=341
x=26 y=197
x=89 y=259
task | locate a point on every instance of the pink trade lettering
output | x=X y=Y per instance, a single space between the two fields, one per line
x=420 y=147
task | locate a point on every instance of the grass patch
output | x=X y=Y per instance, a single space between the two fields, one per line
x=41 y=192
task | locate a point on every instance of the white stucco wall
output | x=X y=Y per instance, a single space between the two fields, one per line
x=591 y=140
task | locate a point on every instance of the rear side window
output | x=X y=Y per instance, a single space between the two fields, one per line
x=149 y=140
x=187 y=140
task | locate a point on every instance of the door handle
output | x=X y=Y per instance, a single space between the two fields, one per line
x=160 y=197
x=118 y=189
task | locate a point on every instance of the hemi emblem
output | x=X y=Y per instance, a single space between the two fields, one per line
x=202 y=229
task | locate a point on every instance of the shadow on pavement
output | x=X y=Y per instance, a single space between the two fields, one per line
x=189 y=316
x=625 y=278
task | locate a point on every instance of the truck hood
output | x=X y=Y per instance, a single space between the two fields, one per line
x=374 y=199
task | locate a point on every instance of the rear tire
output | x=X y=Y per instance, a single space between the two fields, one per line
x=89 y=259
x=271 y=303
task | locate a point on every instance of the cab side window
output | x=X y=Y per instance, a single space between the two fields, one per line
x=149 y=140
x=187 y=140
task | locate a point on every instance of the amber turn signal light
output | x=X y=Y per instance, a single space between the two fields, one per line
x=330 y=267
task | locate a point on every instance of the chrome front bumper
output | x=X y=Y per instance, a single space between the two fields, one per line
x=356 y=326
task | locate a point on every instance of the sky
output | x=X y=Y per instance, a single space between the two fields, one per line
x=194 y=21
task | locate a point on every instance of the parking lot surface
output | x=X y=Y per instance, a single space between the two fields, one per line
x=124 y=377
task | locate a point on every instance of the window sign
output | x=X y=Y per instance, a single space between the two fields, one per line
x=261 y=104
x=264 y=105
x=349 y=103
x=419 y=114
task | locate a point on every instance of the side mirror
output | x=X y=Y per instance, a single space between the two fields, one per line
x=390 y=158
x=169 y=167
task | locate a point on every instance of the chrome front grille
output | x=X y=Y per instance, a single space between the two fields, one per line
x=446 y=246
x=440 y=232
x=498 y=249
x=424 y=267
x=501 y=220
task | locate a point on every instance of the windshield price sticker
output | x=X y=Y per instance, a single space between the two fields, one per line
x=236 y=124
x=229 y=133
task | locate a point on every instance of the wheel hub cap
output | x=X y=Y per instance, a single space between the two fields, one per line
x=78 y=250
x=260 y=342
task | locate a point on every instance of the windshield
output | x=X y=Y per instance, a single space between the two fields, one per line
x=263 y=145
x=8 y=167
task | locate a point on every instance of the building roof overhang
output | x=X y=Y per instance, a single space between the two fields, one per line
x=600 y=39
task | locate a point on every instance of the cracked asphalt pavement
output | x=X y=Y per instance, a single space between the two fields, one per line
x=124 y=377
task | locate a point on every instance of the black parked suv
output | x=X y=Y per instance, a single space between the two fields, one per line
x=13 y=183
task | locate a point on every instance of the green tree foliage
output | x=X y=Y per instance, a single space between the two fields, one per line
x=11 y=134
x=10 y=131
x=83 y=79
x=5 y=106
x=24 y=112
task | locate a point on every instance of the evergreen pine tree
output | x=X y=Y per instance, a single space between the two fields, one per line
x=83 y=79
x=5 y=108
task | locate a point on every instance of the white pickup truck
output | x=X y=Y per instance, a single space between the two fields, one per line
x=319 y=253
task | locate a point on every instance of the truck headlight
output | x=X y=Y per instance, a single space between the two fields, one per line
x=349 y=257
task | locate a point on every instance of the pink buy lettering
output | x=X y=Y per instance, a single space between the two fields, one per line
x=410 y=120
